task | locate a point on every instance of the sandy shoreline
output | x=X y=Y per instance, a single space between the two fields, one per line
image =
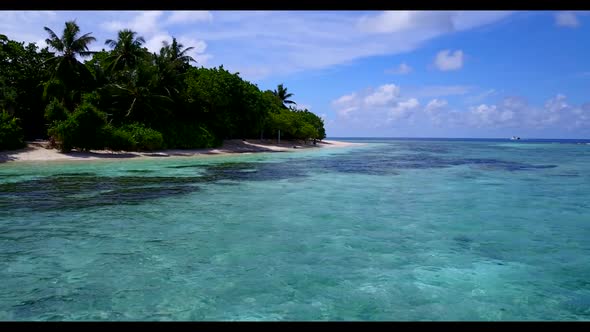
x=38 y=151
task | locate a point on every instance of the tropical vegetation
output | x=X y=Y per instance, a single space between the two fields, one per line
x=128 y=98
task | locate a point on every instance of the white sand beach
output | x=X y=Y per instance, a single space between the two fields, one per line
x=39 y=150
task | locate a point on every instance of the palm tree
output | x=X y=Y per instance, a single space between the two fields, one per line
x=175 y=53
x=138 y=97
x=70 y=45
x=127 y=50
x=281 y=93
x=172 y=63
x=67 y=70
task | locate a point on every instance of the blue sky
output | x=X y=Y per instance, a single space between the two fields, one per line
x=382 y=73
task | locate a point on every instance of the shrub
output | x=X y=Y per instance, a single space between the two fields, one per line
x=190 y=136
x=118 y=139
x=146 y=138
x=55 y=111
x=84 y=129
x=61 y=133
x=11 y=134
x=132 y=137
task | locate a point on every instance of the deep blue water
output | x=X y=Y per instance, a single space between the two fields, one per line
x=395 y=229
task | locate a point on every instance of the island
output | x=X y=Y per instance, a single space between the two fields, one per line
x=68 y=98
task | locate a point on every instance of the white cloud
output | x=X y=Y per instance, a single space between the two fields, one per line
x=390 y=108
x=470 y=19
x=556 y=110
x=566 y=19
x=556 y=113
x=557 y=104
x=286 y=42
x=345 y=111
x=203 y=59
x=484 y=114
x=183 y=17
x=149 y=25
x=198 y=51
x=402 y=69
x=436 y=105
x=345 y=99
x=491 y=116
x=265 y=42
x=437 y=112
x=399 y=21
x=346 y=104
x=375 y=107
x=402 y=110
x=27 y=25
x=514 y=103
x=155 y=43
x=144 y=23
x=199 y=46
x=113 y=26
x=440 y=21
x=41 y=43
x=445 y=60
x=384 y=95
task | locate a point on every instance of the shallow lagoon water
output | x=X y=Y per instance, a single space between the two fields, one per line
x=391 y=230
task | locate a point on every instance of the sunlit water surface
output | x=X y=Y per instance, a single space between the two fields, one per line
x=391 y=230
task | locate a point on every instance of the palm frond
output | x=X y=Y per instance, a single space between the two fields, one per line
x=52 y=34
x=188 y=49
x=54 y=41
x=111 y=43
x=81 y=44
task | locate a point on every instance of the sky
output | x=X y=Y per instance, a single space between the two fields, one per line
x=381 y=73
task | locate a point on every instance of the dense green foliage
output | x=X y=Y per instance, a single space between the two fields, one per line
x=83 y=129
x=23 y=73
x=11 y=135
x=127 y=98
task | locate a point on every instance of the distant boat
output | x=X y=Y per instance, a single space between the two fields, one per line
x=515 y=138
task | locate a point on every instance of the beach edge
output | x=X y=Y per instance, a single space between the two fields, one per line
x=39 y=151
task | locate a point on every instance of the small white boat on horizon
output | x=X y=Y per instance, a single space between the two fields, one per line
x=515 y=138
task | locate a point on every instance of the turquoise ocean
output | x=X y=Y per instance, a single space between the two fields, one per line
x=395 y=229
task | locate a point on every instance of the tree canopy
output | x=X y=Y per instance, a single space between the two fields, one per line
x=127 y=98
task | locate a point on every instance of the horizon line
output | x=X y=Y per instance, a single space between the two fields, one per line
x=440 y=137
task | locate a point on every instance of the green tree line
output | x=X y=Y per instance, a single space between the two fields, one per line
x=127 y=98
